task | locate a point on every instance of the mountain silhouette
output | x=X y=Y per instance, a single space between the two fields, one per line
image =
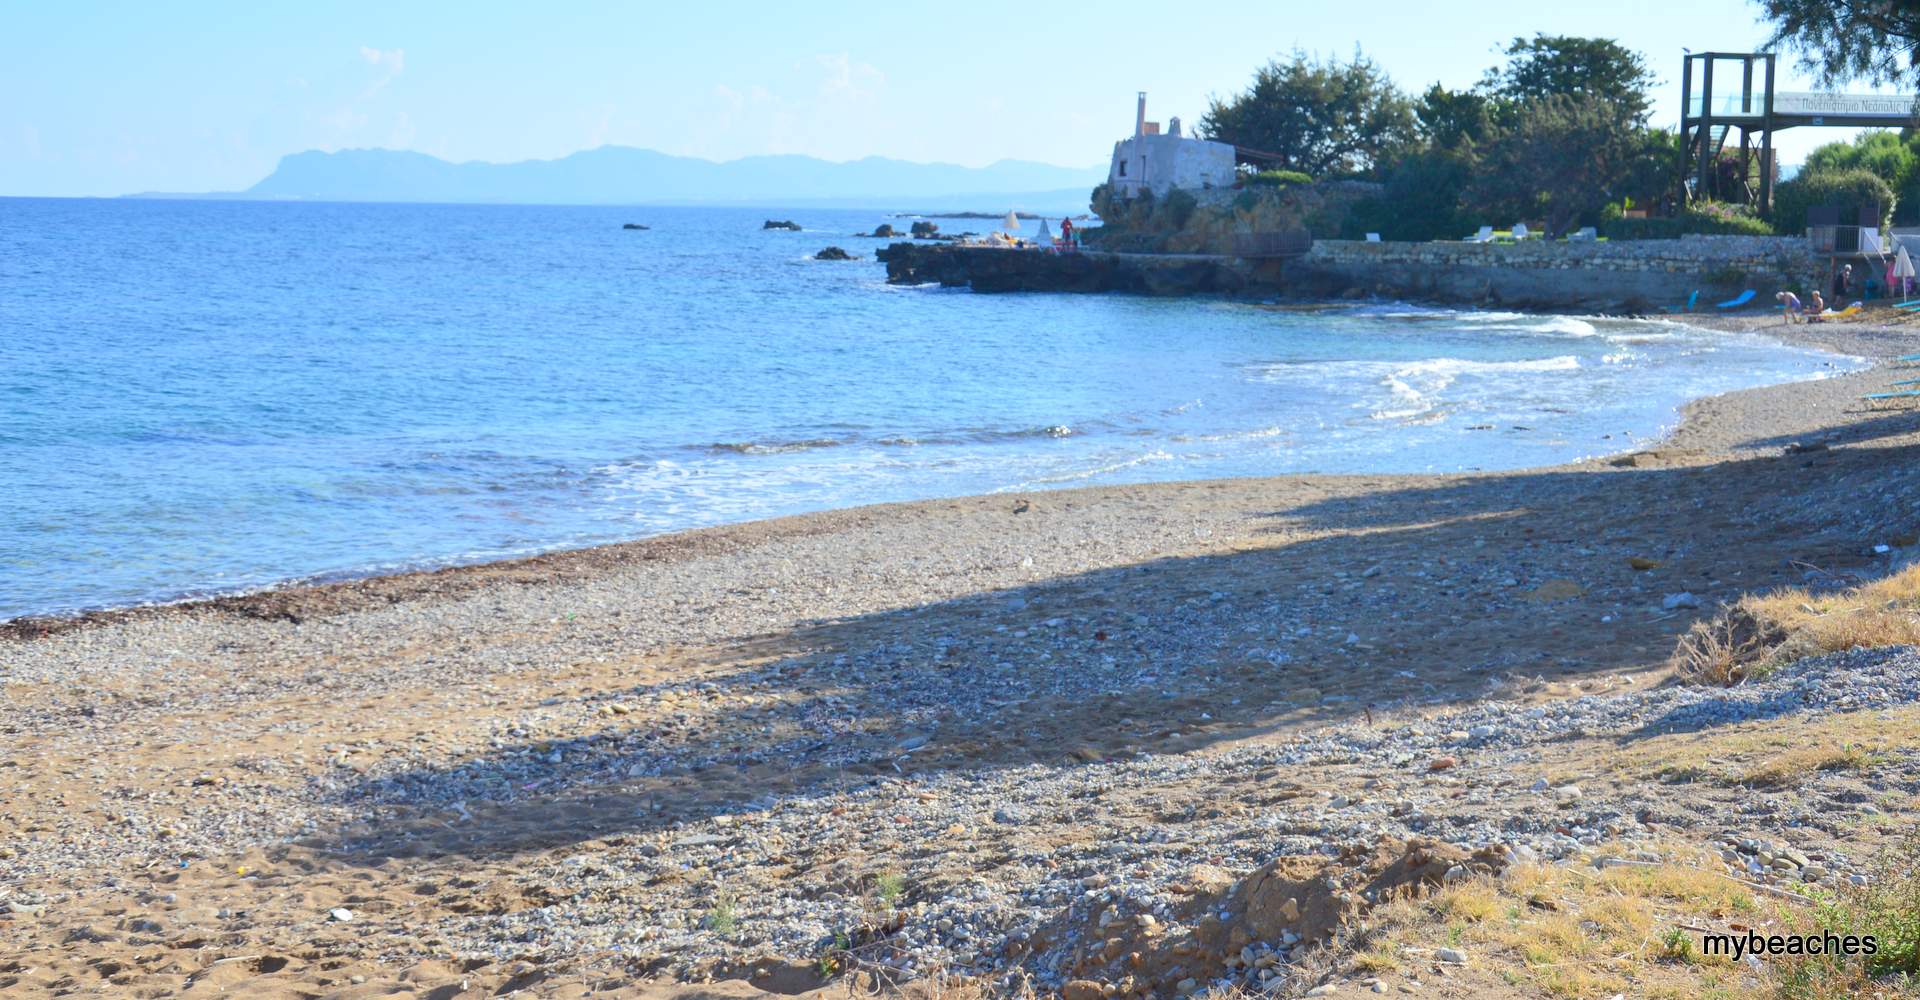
x=623 y=175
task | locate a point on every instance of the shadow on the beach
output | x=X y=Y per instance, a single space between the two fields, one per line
x=1411 y=598
x=1893 y=423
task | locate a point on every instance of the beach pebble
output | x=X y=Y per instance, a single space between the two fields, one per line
x=1684 y=599
x=341 y=914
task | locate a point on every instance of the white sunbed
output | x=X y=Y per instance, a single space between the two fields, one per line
x=1520 y=231
x=1485 y=235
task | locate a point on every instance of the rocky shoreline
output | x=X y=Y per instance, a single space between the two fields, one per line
x=998 y=269
x=1022 y=737
x=1627 y=278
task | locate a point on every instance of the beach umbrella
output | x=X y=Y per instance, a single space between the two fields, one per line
x=1903 y=267
x=1045 y=236
x=1012 y=222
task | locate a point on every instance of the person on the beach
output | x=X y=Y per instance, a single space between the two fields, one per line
x=1790 y=306
x=1066 y=232
x=1815 y=306
x=1841 y=282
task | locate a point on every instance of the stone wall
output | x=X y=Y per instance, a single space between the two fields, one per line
x=1612 y=276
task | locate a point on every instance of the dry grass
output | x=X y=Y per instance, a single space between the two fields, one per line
x=1772 y=753
x=1760 y=633
x=1574 y=931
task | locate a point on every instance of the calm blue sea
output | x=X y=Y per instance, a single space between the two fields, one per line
x=200 y=397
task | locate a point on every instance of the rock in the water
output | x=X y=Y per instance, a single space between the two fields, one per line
x=633 y=225
x=781 y=224
x=925 y=229
x=884 y=230
x=833 y=253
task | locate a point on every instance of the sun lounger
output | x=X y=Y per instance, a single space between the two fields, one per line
x=1908 y=357
x=1585 y=234
x=1908 y=394
x=1373 y=237
x=1737 y=301
x=1485 y=235
x=1911 y=381
x=1520 y=231
x=1691 y=299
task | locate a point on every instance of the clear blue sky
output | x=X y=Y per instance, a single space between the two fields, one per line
x=109 y=98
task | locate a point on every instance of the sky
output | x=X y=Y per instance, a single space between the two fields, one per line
x=112 y=98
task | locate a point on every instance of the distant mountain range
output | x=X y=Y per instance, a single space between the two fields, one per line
x=622 y=175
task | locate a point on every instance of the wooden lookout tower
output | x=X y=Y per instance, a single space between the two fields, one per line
x=1724 y=92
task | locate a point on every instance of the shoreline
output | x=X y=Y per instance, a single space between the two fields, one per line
x=636 y=770
x=298 y=598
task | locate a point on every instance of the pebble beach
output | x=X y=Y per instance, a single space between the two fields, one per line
x=971 y=736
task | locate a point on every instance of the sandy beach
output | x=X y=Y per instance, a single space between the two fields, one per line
x=952 y=735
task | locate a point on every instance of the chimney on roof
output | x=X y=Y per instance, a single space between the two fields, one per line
x=1140 y=117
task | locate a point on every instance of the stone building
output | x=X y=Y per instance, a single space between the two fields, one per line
x=1158 y=162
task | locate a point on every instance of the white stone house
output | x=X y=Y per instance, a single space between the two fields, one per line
x=1157 y=162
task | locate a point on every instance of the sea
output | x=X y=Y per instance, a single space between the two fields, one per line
x=206 y=397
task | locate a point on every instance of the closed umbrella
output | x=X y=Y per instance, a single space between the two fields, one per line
x=1903 y=269
x=1012 y=222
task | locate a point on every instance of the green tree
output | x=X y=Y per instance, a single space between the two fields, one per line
x=1653 y=171
x=1570 y=66
x=1879 y=151
x=1421 y=198
x=1563 y=158
x=1449 y=119
x=1840 y=40
x=1320 y=118
x=1849 y=190
x=1887 y=155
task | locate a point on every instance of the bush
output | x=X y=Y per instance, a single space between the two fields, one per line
x=1179 y=207
x=1761 y=633
x=1888 y=910
x=1712 y=218
x=1849 y=189
x=1278 y=178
